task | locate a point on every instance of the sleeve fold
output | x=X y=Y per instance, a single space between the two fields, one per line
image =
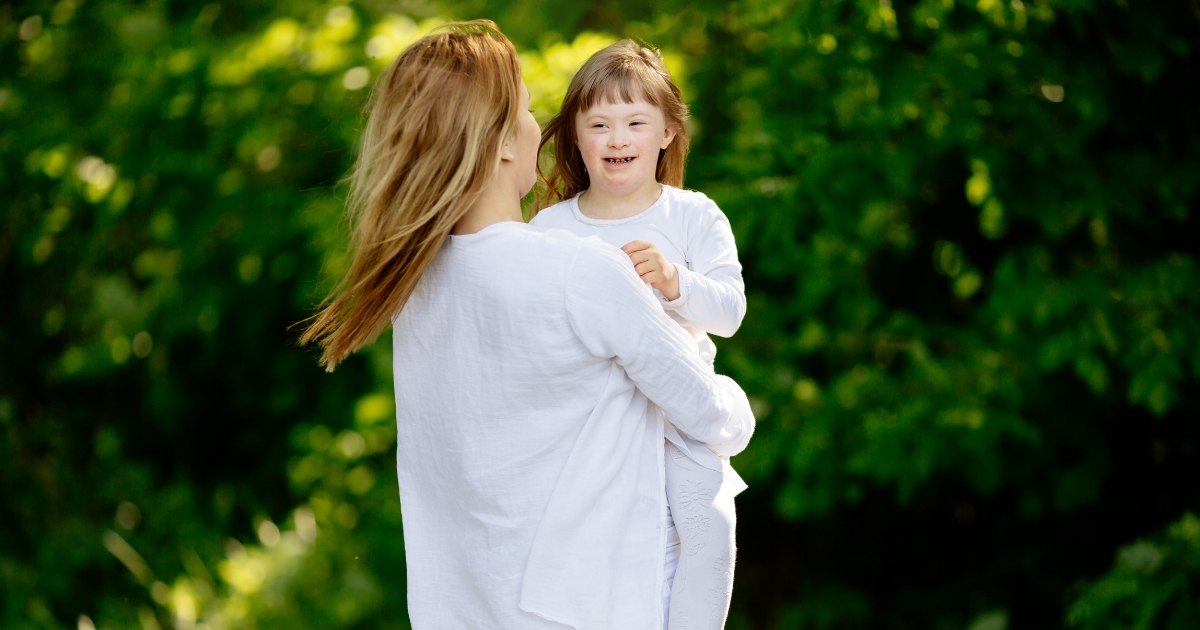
x=616 y=316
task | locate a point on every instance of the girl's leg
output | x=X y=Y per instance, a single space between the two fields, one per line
x=702 y=508
x=669 y=568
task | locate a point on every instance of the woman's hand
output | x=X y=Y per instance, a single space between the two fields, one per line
x=654 y=268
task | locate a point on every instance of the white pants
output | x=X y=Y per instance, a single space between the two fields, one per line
x=669 y=568
x=702 y=510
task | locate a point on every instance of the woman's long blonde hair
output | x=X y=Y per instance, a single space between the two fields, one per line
x=436 y=125
x=622 y=72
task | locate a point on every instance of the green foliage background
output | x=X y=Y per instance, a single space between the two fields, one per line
x=969 y=230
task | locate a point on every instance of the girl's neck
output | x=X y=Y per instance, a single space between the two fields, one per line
x=596 y=203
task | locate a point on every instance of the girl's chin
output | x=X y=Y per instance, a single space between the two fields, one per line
x=622 y=182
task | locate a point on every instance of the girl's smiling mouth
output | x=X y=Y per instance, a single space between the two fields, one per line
x=620 y=160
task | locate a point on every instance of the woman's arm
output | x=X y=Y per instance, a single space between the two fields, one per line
x=616 y=316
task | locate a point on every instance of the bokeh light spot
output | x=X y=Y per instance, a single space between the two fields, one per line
x=53 y=321
x=128 y=515
x=947 y=258
x=268 y=533
x=806 y=391
x=356 y=78
x=301 y=93
x=209 y=318
x=360 y=480
x=338 y=16
x=346 y=515
x=373 y=408
x=120 y=349
x=967 y=284
x=230 y=182
x=111 y=330
x=42 y=249
x=160 y=593
x=268 y=159
x=142 y=344
x=73 y=360
x=351 y=444
x=250 y=268
x=306 y=524
x=58 y=218
x=63 y=11
x=320 y=438
x=30 y=27
x=826 y=44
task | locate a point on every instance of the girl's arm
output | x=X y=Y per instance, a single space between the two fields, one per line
x=617 y=317
x=712 y=296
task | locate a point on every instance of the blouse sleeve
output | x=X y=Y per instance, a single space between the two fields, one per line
x=616 y=316
x=712 y=296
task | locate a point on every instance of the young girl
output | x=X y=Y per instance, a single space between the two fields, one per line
x=621 y=143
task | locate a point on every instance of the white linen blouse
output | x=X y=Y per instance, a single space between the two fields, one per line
x=528 y=364
x=694 y=235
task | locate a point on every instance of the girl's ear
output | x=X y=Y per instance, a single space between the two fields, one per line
x=668 y=136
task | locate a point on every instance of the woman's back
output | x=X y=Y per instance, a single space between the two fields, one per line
x=493 y=388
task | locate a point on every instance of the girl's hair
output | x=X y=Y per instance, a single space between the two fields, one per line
x=436 y=124
x=622 y=72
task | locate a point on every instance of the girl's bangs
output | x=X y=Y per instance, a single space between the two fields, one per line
x=627 y=83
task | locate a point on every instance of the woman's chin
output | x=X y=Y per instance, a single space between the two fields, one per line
x=525 y=190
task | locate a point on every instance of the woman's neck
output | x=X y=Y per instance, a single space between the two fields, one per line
x=596 y=203
x=496 y=203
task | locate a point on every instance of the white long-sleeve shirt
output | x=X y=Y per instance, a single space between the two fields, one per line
x=693 y=234
x=528 y=363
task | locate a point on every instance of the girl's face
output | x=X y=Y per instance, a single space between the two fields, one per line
x=620 y=143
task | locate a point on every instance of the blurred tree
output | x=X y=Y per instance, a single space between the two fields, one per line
x=962 y=225
x=1153 y=584
x=968 y=231
x=167 y=207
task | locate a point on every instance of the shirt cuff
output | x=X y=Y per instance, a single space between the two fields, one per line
x=685 y=288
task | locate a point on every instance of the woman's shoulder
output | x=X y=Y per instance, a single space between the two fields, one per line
x=548 y=254
x=585 y=255
x=566 y=242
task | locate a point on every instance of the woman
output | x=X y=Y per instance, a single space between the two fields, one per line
x=530 y=364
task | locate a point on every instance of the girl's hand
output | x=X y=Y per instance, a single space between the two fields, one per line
x=654 y=269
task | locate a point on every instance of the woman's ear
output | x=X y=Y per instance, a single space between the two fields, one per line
x=668 y=136
x=506 y=152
